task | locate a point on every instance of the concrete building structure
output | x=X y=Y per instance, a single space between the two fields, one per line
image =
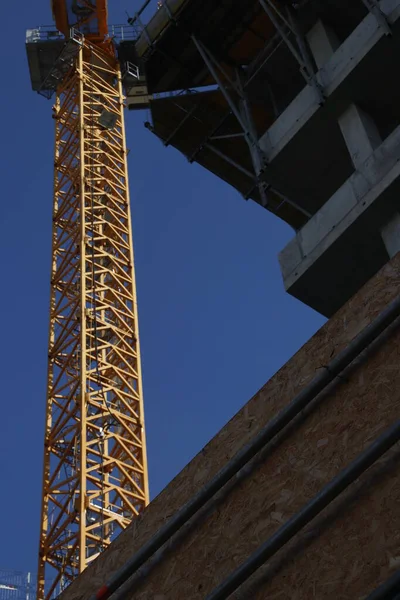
x=296 y=105
x=299 y=113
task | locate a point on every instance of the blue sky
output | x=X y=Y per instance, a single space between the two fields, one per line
x=215 y=322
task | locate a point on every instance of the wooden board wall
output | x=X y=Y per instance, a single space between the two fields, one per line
x=353 y=546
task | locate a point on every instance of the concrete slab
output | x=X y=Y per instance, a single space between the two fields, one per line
x=341 y=247
x=305 y=144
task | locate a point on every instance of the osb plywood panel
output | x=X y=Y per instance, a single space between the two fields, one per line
x=353 y=547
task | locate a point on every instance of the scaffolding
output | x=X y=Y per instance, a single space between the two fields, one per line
x=17 y=585
x=219 y=76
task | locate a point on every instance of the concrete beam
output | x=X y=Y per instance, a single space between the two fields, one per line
x=360 y=134
x=341 y=65
x=349 y=239
x=323 y=43
x=391 y=235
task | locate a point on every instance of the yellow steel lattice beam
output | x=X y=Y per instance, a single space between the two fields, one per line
x=95 y=468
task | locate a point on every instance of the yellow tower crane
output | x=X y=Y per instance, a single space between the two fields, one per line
x=95 y=477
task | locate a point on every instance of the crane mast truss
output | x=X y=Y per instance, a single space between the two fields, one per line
x=95 y=469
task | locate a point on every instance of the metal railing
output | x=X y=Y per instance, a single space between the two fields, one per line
x=48 y=33
x=121 y=33
x=44 y=33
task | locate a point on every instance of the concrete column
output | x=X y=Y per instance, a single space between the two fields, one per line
x=323 y=43
x=360 y=134
x=391 y=235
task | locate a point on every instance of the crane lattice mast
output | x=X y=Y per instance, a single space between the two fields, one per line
x=95 y=471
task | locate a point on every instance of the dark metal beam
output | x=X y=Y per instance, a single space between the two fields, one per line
x=132 y=20
x=301 y=54
x=228 y=136
x=309 y=511
x=264 y=55
x=305 y=53
x=213 y=132
x=242 y=114
x=389 y=590
x=187 y=116
x=257 y=156
x=230 y=161
x=211 y=67
x=273 y=15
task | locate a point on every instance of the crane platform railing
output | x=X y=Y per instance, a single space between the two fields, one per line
x=47 y=33
x=43 y=33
